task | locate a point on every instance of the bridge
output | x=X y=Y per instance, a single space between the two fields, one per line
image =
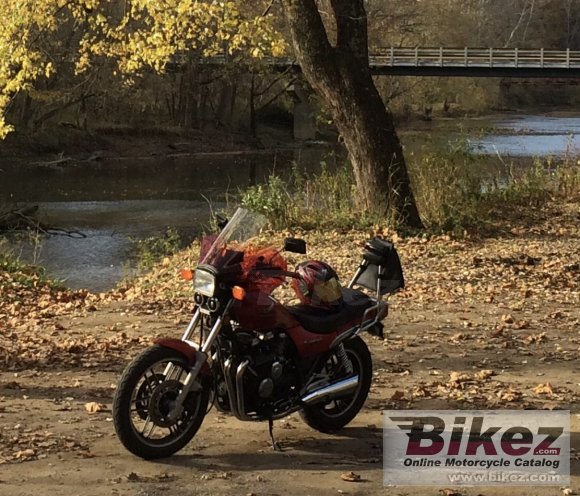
x=562 y=66
x=463 y=62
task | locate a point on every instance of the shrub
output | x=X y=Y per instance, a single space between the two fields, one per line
x=320 y=200
x=151 y=250
x=454 y=188
x=447 y=185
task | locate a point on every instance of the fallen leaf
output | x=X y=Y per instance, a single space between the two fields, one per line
x=535 y=338
x=456 y=378
x=398 y=396
x=544 y=389
x=482 y=375
x=27 y=453
x=449 y=492
x=350 y=477
x=509 y=394
x=507 y=319
x=94 y=407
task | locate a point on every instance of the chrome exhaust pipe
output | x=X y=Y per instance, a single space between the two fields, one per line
x=332 y=391
x=241 y=407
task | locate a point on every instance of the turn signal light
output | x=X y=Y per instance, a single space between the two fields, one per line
x=186 y=274
x=238 y=293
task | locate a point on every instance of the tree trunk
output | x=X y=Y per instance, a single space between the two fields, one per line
x=225 y=103
x=253 y=122
x=340 y=75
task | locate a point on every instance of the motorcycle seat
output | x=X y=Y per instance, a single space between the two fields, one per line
x=324 y=321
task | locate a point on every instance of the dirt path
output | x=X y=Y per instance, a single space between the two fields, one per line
x=77 y=453
x=485 y=323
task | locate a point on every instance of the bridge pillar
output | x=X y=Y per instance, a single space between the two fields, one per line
x=504 y=93
x=304 y=114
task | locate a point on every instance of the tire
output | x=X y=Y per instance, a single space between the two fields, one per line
x=144 y=385
x=323 y=419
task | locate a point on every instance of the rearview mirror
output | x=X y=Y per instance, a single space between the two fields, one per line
x=221 y=221
x=295 y=245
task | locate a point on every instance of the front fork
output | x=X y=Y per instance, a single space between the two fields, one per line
x=199 y=359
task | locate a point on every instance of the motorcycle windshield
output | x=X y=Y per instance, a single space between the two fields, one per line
x=258 y=267
x=243 y=226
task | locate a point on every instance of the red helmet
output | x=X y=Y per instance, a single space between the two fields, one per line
x=318 y=285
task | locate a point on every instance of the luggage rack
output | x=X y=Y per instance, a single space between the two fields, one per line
x=380 y=271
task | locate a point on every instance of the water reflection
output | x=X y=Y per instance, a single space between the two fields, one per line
x=167 y=177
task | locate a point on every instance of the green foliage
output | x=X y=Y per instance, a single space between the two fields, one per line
x=25 y=275
x=39 y=39
x=567 y=175
x=325 y=199
x=455 y=188
x=273 y=200
x=10 y=264
x=531 y=186
x=447 y=185
x=149 y=251
x=545 y=180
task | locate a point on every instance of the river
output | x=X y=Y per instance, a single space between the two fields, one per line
x=114 y=202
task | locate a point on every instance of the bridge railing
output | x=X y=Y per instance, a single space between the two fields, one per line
x=511 y=59
x=475 y=57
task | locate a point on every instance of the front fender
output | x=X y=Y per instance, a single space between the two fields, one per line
x=188 y=351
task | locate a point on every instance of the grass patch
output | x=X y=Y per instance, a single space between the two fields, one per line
x=454 y=189
x=310 y=201
x=25 y=275
x=447 y=184
x=545 y=180
x=150 y=251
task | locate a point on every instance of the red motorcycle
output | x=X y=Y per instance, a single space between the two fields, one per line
x=257 y=358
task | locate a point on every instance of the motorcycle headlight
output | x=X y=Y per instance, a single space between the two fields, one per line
x=204 y=283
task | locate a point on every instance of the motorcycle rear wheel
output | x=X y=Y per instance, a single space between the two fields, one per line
x=334 y=415
x=144 y=398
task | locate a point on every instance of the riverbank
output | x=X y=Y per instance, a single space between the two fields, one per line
x=115 y=201
x=487 y=320
x=64 y=144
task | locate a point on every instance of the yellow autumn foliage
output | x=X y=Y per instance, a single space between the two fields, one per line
x=138 y=34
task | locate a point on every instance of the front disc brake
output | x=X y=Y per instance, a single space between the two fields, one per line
x=162 y=402
x=144 y=393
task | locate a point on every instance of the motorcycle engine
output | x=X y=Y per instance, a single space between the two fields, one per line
x=271 y=377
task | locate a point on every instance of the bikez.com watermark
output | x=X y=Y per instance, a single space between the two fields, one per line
x=476 y=447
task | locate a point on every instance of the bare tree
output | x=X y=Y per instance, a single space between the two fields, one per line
x=572 y=11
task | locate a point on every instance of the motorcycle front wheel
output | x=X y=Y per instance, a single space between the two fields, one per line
x=144 y=398
x=334 y=415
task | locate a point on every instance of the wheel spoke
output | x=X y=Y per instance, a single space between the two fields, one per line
x=147 y=395
x=151 y=385
x=148 y=428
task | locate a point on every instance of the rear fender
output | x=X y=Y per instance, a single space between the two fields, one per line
x=188 y=351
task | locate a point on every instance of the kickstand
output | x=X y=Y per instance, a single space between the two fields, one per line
x=275 y=445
